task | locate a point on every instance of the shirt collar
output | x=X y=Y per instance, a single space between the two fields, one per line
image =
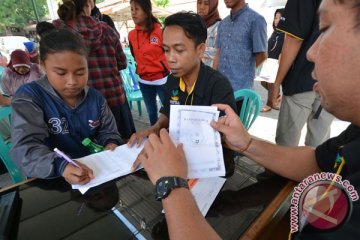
x=234 y=16
x=198 y=87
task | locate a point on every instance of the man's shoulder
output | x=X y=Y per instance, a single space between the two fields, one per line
x=212 y=76
x=254 y=15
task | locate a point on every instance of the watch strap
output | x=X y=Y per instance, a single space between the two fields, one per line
x=165 y=185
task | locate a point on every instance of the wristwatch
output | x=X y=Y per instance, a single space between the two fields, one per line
x=164 y=185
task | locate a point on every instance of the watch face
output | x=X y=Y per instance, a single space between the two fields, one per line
x=165 y=184
x=162 y=189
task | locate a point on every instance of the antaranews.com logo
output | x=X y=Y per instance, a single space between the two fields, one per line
x=322 y=200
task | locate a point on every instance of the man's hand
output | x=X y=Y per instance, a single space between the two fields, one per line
x=235 y=135
x=139 y=137
x=75 y=175
x=161 y=158
x=111 y=146
x=273 y=96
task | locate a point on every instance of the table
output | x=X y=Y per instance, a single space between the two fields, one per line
x=126 y=209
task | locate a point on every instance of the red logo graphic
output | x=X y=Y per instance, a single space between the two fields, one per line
x=325 y=206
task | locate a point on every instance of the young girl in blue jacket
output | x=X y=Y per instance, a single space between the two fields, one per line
x=59 y=111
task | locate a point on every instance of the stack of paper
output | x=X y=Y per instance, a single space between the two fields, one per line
x=108 y=165
x=190 y=125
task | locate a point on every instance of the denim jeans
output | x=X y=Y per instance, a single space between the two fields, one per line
x=149 y=93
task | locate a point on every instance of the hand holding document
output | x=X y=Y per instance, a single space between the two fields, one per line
x=108 y=165
x=190 y=125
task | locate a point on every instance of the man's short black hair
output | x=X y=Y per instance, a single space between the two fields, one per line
x=193 y=25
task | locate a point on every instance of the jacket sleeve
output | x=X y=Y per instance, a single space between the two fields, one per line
x=108 y=132
x=29 y=134
x=5 y=83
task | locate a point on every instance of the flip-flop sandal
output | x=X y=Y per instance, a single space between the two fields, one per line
x=265 y=108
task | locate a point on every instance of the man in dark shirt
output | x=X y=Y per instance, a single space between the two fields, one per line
x=336 y=55
x=191 y=82
x=300 y=104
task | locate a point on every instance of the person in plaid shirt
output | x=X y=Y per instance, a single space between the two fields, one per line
x=105 y=58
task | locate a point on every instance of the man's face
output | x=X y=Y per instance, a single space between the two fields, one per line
x=180 y=51
x=336 y=55
x=232 y=3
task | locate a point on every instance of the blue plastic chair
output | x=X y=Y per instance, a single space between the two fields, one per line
x=5 y=145
x=131 y=94
x=251 y=105
x=130 y=80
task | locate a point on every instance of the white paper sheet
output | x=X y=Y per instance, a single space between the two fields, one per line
x=205 y=191
x=190 y=125
x=108 y=165
x=268 y=70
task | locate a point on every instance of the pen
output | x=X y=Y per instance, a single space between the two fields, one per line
x=63 y=155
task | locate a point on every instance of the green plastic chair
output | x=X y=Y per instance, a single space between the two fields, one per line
x=251 y=105
x=5 y=145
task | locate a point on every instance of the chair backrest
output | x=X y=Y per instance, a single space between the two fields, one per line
x=251 y=105
x=5 y=145
x=131 y=67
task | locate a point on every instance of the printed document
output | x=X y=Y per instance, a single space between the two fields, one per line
x=205 y=191
x=108 y=165
x=190 y=125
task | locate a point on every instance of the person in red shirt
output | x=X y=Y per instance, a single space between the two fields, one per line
x=145 y=45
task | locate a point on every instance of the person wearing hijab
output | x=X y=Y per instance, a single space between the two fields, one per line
x=275 y=44
x=18 y=72
x=208 y=10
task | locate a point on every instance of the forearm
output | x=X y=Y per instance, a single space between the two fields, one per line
x=184 y=219
x=5 y=101
x=290 y=50
x=216 y=59
x=294 y=163
x=28 y=136
x=260 y=58
x=162 y=122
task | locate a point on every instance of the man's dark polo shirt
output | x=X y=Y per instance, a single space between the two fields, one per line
x=301 y=21
x=211 y=87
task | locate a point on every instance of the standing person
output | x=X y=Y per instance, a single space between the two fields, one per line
x=145 y=45
x=19 y=71
x=275 y=44
x=336 y=55
x=95 y=13
x=241 y=44
x=105 y=59
x=299 y=104
x=208 y=10
x=60 y=110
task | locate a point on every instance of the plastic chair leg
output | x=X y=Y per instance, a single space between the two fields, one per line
x=139 y=107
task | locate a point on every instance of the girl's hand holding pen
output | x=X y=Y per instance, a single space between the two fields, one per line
x=75 y=175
